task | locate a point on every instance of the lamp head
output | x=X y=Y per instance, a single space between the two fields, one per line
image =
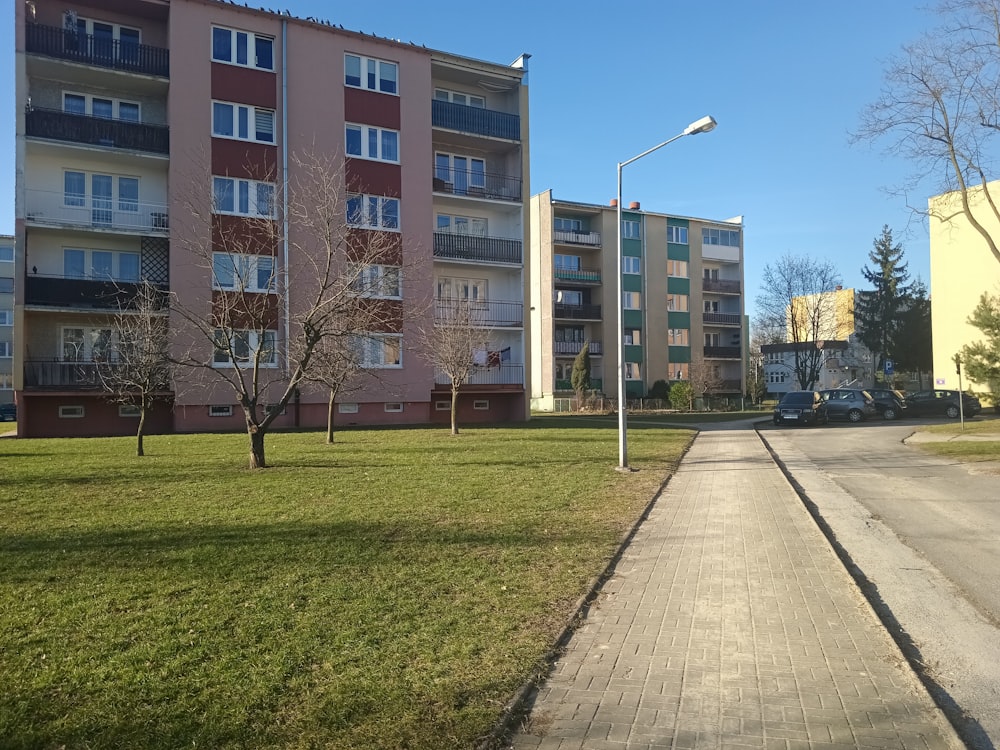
x=703 y=125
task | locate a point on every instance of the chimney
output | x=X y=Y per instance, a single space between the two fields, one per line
x=840 y=288
x=614 y=203
x=634 y=206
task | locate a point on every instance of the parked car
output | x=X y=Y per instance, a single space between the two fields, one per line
x=852 y=404
x=8 y=413
x=891 y=404
x=942 y=402
x=801 y=407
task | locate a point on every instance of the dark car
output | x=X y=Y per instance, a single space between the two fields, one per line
x=801 y=407
x=941 y=402
x=852 y=404
x=8 y=413
x=891 y=404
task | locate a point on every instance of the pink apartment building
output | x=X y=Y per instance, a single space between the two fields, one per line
x=124 y=105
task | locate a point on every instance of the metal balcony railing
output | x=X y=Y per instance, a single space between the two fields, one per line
x=96 y=131
x=475 y=120
x=574 y=347
x=596 y=384
x=580 y=276
x=577 y=312
x=577 y=238
x=501 y=374
x=469 y=247
x=95 y=294
x=723 y=352
x=473 y=184
x=485 y=313
x=721 y=319
x=724 y=286
x=50 y=208
x=70 y=44
x=56 y=374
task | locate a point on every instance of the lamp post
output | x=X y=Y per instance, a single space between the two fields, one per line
x=703 y=125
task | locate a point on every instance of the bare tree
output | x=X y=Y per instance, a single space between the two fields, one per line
x=268 y=318
x=336 y=365
x=940 y=110
x=705 y=378
x=136 y=371
x=457 y=344
x=797 y=298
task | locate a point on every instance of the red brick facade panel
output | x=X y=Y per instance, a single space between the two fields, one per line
x=232 y=83
x=252 y=161
x=375 y=247
x=374 y=178
x=371 y=108
x=235 y=234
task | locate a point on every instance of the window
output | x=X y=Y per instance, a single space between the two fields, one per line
x=372 y=211
x=569 y=297
x=242 y=48
x=379 y=349
x=242 y=122
x=451 y=287
x=6 y=318
x=102 y=194
x=89 y=344
x=129 y=411
x=677 y=302
x=632 y=337
x=393 y=406
x=6 y=285
x=712 y=274
x=243 y=347
x=677 y=235
x=631 y=300
x=6 y=253
x=102 y=39
x=630 y=229
x=220 y=411
x=777 y=377
x=679 y=370
x=567 y=225
x=677 y=268
x=677 y=337
x=630 y=264
x=711 y=306
x=473 y=226
x=71 y=412
x=727 y=237
x=347 y=408
x=567 y=262
x=243 y=197
x=6 y=381
x=243 y=273
x=97 y=106
x=460 y=174
x=458 y=97
x=442 y=406
x=481 y=404
x=632 y=371
x=372 y=143
x=6 y=349
x=100 y=264
x=570 y=334
x=713 y=339
x=368 y=73
x=377 y=281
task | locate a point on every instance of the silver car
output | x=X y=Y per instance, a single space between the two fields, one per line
x=852 y=404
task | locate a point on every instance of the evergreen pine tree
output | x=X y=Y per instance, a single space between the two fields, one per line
x=877 y=311
x=580 y=377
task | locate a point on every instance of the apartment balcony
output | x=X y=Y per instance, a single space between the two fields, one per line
x=504 y=373
x=58 y=209
x=484 y=313
x=579 y=276
x=57 y=125
x=574 y=347
x=479 y=249
x=473 y=184
x=722 y=319
x=84 y=294
x=720 y=286
x=475 y=120
x=577 y=312
x=727 y=386
x=100 y=52
x=591 y=239
x=596 y=384
x=723 y=352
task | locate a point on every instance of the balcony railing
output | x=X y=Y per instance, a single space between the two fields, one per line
x=94 y=294
x=577 y=238
x=486 y=313
x=722 y=319
x=574 y=347
x=56 y=374
x=723 y=352
x=727 y=386
x=724 y=286
x=469 y=247
x=67 y=44
x=579 y=276
x=596 y=384
x=96 y=131
x=578 y=312
x=475 y=120
x=498 y=187
x=51 y=208
x=501 y=374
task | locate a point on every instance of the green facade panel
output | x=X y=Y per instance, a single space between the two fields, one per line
x=677 y=285
x=678 y=252
x=679 y=354
x=632 y=318
x=632 y=282
x=679 y=320
x=632 y=247
x=634 y=389
x=633 y=353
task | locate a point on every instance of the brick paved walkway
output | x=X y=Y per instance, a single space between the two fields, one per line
x=731 y=623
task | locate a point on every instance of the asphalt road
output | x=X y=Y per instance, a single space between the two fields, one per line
x=924 y=533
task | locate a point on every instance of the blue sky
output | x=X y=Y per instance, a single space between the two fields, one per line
x=785 y=79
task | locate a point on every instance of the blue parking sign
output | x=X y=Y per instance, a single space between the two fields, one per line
x=888 y=367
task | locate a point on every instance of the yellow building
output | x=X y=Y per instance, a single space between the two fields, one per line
x=833 y=311
x=962 y=268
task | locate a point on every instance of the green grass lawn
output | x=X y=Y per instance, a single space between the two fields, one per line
x=981 y=449
x=390 y=591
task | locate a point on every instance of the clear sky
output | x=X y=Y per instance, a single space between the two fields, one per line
x=786 y=80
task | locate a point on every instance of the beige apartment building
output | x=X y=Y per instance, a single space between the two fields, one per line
x=6 y=319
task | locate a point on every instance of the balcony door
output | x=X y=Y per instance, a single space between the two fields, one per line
x=465 y=173
x=102 y=194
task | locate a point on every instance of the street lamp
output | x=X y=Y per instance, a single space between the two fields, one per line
x=703 y=125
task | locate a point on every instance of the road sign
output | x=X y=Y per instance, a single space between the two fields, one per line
x=889 y=367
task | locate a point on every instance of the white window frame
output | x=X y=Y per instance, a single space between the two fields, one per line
x=253 y=195
x=221 y=356
x=481 y=404
x=683 y=299
x=632 y=337
x=678 y=337
x=91 y=336
x=111 y=204
x=677 y=235
x=630 y=229
x=372 y=213
x=251 y=44
x=75 y=411
x=569 y=262
x=220 y=410
x=561 y=224
x=89 y=271
x=447 y=95
x=633 y=371
x=472 y=179
x=456 y=287
x=442 y=406
x=393 y=407
x=562 y=294
x=6 y=318
x=6 y=253
x=366 y=133
x=372 y=349
x=251 y=114
x=350 y=407
x=88 y=105
x=377 y=281
x=372 y=66
x=471 y=226
x=245 y=271
x=631 y=264
x=6 y=349
x=6 y=381
x=677 y=269
x=722 y=237
x=129 y=411
x=631 y=300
